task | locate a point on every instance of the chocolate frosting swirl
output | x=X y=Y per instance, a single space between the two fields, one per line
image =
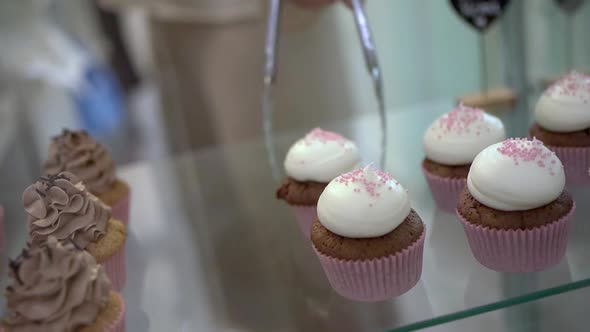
x=60 y=206
x=55 y=288
x=77 y=152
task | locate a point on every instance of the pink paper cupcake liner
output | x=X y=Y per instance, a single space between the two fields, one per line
x=376 y=279
x=576 y=161
x=305 y=216
x=119 y=324
x=116 y=269
x=120 y=210
x=529 y=250
x=445 y=190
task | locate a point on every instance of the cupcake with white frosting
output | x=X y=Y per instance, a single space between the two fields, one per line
x=515 y=211
x=311 y=163
x=368 y=238
x=562 y=122
x=450 y=144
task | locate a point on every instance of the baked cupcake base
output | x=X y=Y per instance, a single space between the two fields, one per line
x=391 y=271
x=378 y=279
x=303 y=198
x=109 y=251
x=579 y=138
x=111 y=318
x=573 y=149
x=300 y=193
x=531 y=245
x=118 y=198
x=445 y=182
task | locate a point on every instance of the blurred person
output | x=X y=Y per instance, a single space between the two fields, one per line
x=208 y=60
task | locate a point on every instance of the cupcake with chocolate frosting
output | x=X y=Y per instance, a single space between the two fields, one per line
x=451 y=143
x=562 y=122
x=515 y=211
x=60 y=206
x=78 y=153
x=57 y=287
x=368 y=238
x=311 y=163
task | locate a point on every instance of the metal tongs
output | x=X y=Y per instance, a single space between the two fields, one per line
x=270 y=71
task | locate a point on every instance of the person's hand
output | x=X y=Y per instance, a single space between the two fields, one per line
x=318 y=3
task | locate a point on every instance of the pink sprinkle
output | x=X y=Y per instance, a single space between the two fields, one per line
x=371 y=187
x=460 y=119
x=574 y=84
x=324 y=136
x=526 y=151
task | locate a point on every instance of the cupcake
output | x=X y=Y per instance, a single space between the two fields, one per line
x=515 y=211
x=78 y=153
x=450 y=144
x=562 y=122
x=60 y=206
x=311 y=163
x=57 y=288
x=367 y=237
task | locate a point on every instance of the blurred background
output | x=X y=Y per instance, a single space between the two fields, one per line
x=150 y=77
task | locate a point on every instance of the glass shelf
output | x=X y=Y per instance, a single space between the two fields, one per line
x=210 y=248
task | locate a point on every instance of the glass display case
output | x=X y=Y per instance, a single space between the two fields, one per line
x=209 y=247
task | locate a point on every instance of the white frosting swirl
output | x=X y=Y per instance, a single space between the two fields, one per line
x=516 y=175
x=363 y=203
x=458 y=136
x=321 y=156
x=565 y=106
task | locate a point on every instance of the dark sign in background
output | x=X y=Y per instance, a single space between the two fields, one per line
x=480 y=14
